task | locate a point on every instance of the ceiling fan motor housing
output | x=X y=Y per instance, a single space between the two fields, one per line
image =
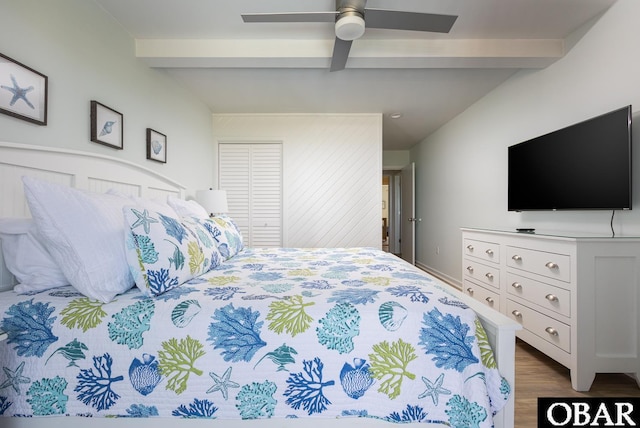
x=349 y=25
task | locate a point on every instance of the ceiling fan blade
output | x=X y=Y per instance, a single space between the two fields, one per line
x=397 y=20
x=290 y=17
x=341 y=50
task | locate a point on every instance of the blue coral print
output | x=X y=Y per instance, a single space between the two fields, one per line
x=445 y=336
x=306 y=389
x=237 y=332
x=95 y=387
x=28 y=326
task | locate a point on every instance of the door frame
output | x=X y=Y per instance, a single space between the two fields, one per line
x=395 y=209
x=408 y=210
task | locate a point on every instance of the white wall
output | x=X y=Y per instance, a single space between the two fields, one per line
x=332 y=167
x=395 y=159
x=87 y=56
x=461 y=169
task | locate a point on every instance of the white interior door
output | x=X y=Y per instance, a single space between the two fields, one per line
x=408 y=220
x=251 y=173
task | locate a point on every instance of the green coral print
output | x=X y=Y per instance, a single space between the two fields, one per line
x=338 y=328
x=223 y=280
x=256 y=400
x=377 y=280
x=130 y=323
x=196 y=257
x=486 y=353
x=301 y=272
x=289 y=315
x=389 y=362
x=46 y=396
x=177 y=360
x=83 y=313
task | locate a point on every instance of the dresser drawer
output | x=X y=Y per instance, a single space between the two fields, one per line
x=551 y=265
x=547 y=296
x=547 y=328
x=482 y=294
x=489 y=275
x=488 y=251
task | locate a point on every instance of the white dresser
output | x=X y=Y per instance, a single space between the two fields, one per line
x=577 y=297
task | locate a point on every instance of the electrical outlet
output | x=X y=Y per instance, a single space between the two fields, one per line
x=437 y=250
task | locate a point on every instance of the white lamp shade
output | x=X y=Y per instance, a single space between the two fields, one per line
x=214 y=201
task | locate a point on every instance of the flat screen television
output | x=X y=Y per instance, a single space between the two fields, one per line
x=586 y=166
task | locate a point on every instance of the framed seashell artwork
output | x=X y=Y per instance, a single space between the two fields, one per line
x=106 y=126
x=23 y=91
x=156 y=146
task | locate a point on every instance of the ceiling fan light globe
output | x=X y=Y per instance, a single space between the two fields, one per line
x=350 y=28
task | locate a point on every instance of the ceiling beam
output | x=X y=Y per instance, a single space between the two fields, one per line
x=365 y=53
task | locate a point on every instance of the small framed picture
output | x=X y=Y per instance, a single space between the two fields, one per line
x=23 y=91
x=156 y=146
x=106 y=126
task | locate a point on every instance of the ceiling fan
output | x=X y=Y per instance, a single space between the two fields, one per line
x=351 y=17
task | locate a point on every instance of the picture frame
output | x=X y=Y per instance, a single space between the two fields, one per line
x=23 y=91
x=156 y=146
x=106 y=126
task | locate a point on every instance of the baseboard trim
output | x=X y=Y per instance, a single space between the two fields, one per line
x=441 y=276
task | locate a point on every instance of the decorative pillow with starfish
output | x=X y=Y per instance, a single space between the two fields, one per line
x=164 y=252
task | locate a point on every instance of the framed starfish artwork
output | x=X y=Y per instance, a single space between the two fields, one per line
x=23 y=91
x=106 y=126
x=156 y=146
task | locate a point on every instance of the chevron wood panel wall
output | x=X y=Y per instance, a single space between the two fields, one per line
x=332 y=168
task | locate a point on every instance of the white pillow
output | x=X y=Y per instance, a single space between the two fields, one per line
x=187 y=208
x=84 y=233
x=27 y=259
x=150 y=204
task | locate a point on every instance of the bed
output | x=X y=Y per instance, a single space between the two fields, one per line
x=246 y=336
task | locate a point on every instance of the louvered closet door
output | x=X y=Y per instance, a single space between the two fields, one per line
x=252 y=176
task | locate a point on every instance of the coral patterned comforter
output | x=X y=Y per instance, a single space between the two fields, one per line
x=271 y=333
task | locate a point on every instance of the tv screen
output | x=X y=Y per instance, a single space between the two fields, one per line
x=586 y=166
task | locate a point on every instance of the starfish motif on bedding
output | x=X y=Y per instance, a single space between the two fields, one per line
x=14 y=378
x=434 y=389
x=18 y=92
x=222 y=383
x=143 y=220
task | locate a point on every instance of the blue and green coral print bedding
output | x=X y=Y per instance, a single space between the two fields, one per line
x=270 y=333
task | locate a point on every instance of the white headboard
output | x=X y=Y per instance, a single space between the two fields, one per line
x=89 y=171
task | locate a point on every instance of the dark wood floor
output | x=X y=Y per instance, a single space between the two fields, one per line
x=539 y=376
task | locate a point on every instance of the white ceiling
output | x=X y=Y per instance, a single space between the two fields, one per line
x=237 y=67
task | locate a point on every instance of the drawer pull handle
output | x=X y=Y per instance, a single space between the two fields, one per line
x=470 y=247
x=470 y=290
x=516 y=258
x=552 y=331
x=470 y=269
x=489 y=300
x=489 y=276
x=552 y=265
x=517 y=285
x=516 y=313
x=489 y=252
x=551 y=297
